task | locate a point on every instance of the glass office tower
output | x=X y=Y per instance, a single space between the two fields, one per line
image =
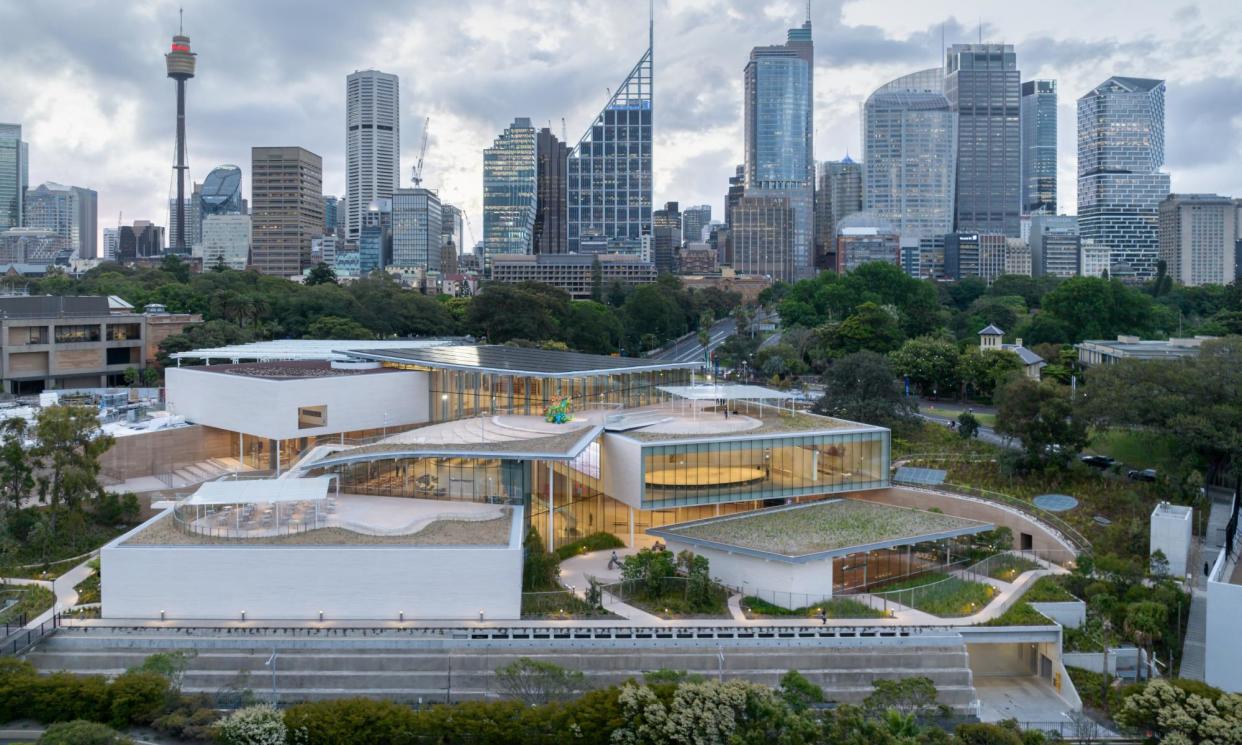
x=14 y=175
x=1039 y=146
x=221 y=193
x=510 y=188
x=983 y=87
x=416 y=227
x=780 y=159
x=608 y=178
x=1120 y=186
x=910 y=156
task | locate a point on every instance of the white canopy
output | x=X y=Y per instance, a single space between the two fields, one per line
x=725 y=392
x=262 y=490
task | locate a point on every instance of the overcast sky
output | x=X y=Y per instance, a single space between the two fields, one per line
x=86 y=79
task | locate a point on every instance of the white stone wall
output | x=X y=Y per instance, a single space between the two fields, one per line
x=1222 y=652
x=296 y=582
x=1170 y=533
x=623 y=469
x=269 y=408
x=786 y=584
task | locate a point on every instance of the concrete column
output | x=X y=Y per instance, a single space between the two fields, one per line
x=241 y=450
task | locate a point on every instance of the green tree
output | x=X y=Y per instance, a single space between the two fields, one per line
x=151 y=376
x=131 y=376
x=81 y=732
x=16 y=475
x=320 y=274
x=175 y=267
x=68 y=446
x=861 y=387
x=1041 y=416
x=982 y=371
x=653 y=309
x=797 y=692
x=930 y=363
x=253 y=725
x=1145 y=622
x=1095 y=308
x=913 y=695
x=870 y=328
x=535 y=682
x=335 y=327
x=967 y=426
x=593 y=328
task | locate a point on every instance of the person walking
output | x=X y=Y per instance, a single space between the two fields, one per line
x=614 y=561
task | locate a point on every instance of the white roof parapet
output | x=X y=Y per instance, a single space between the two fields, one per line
x=725 y=392
x=328 y=350
x=251 y=491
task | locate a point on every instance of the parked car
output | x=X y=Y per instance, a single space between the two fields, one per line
x=1147 y=474
x=1098 y=461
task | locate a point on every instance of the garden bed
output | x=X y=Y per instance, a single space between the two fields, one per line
x=1007 y=567
x=754 y=607
x=939 y=594
x=558 y=605
x=31 y=601
x=672 y=601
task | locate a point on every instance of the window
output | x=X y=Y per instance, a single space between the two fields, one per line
x=310 y=417
x=74 y=334
x=124 y=331
x=21 y=336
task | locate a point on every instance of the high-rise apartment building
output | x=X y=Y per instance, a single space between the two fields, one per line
x=694 y=220
x=69 y=211
x=226 y=241
x=666 y=237
x=286 y=201
x=510 y=186
x=1198 y=238
x=372 y=141
x=1120 y=186
x=982 y=84
x=14 y=175
x=1056 y=246
x=551 y=156
x=779 y=134
x=608 y=174
x=761 y=236
x=909 y=156
x=838 y=194
x=416 y=227
x=1038 y=112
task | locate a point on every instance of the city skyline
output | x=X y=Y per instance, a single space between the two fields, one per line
x=96 y=110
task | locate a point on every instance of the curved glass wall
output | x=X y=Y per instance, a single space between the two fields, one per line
x=763 y=468
x=221 y=192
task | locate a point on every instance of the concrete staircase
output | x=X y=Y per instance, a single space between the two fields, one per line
x=352 y=668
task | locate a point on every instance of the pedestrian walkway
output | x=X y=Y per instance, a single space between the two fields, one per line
x=577 y=572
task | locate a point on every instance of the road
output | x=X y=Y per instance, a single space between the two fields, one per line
x=688 y=349
x=986 y=434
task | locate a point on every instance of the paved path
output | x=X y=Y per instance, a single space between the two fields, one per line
x=1194 y=646
x=62 y=586
x=574 y=574
x=986 y=434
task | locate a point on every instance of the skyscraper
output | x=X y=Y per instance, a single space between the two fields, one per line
x=1198 y=238
x=68 y=211
x=837 y=196
x=286 y=195
x=14 y=175
x=452 y=227
x=330 y=216
x=221 y=192
x=779 y=133
x=226 y=241
x=909 y=156
x=111 y=244
x=551 y=155
x=693 y=221
x=983 y=87
x=372 y=141
x=375 y=238
x=416 y=228
x=180 y=63
x=761 y=236
x=1120 y=186
x=666 y=237
x=608 y=174
x=737 y=189
x=142 y=240
x=510 y=185
x=1039 y=146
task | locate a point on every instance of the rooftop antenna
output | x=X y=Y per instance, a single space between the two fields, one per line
x=181 y=21
x=981 y=30
x=942 y=47
x=808 y=11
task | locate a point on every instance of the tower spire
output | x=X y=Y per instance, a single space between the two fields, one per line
x=808 y=12
x=181 y=21
x=651 y=24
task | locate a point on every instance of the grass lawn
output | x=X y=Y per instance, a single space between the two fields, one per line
x=1007 y=567
x=953 y=412
x=835 y=608
x=939 y=594
x=1137 y=449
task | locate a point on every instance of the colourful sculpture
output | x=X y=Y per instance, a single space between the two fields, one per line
x=559 y=413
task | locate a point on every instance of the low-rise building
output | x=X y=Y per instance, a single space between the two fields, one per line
x=698 y=258
x=991 y=338
x=1105 y=351
x=572 y=273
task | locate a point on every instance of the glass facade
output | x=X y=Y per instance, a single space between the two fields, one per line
x=221 y=193
x=13 y=175
x=416 y=228
x=983 y=87
x=1039 y=146
x=608 y=174
x=677 y=475
x=1120 y=187
x=910 y=156
x=779 y=82
x=510 y=181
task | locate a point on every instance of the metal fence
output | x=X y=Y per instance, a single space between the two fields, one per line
x=22 y=638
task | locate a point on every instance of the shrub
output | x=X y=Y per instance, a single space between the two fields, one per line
x=1047 y=590
x=986 y=734
x=593 y=542
x=349 y=721
x=254 y=725
x=539 y=568
x=62 y=697
x=138 y=697
x=81 y=732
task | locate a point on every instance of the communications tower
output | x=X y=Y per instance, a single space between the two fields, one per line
x=180 y=63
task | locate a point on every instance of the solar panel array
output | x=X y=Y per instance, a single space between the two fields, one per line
x=912 y=475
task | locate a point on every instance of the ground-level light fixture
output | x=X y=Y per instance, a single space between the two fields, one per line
x=401 y=616
x=320 y=615
x=161 y=615
x=480 y=614
x=243 y=615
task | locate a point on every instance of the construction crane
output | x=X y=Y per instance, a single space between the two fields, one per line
x=418 y=167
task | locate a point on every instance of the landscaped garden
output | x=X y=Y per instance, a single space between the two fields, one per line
x=24 y=600
x=671 y=586
x=824 y=526
x=938 y=594
x=755 y=607
x=1007 y=567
